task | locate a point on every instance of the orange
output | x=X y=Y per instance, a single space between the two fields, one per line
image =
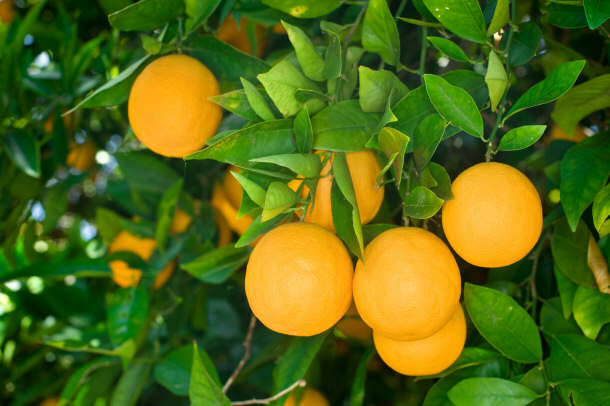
x=50 y=121
x=224 y=232
x=557 y=133
x=81 y=156
x=180 y=222
x=238 y=37
x=49 y=401
x=122 y=274
x=364 y=168
x=428 y=356
x=7 y=11
x=311 y=397
x=168 y=107
x=279 y=29
x=226 y=199
x=299 y=279
x=409 y=285
x=352 y=325
x=495 y=218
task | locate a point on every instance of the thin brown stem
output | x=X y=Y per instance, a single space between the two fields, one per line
x=266 y=401
x=245 y=358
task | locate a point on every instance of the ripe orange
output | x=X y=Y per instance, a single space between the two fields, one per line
x=299 y=279
x=364 y=168
x=352 y=325
x=7 y=11
x=226 y=199
x=168 y=107
x=495 y=218
x=180 y=222
x=81 y=156
x=428 y=356
x=122 y=274
x=557 y=133
x=311 y=397
x=409 y=284
x=238 y=37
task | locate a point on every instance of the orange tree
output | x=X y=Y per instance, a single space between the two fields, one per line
x=388 y=203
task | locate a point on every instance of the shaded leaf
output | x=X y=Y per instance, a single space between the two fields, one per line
x=307 y=165
x=379 y=32
x=500 y=18
x=597 y=12
x=278 y=199
x=357 y=392
x=601 y=211
x=449 y=48
x=428 y=136
x=376 y=87
x=203 y=390
x=422 y=203
x=304 y=8
x=574 y=356
x=303 y=131
x=591 y=310
x=218 y=265
x=570 y=252
x=257 y=101
x=311 y=62
x=127 y=313
x=146 y=15
x=173 y=371
x=23 y=151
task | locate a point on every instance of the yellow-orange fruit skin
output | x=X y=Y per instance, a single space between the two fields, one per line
x=238 y=37
x=427 y=356
x=299 y=279
x=311 y=397
x=81 y=156
x=364 y=168
x=352 y=325
x=226 y=199
x=557 y=133
x=122 y=274
x=168 y=106
x=495 y=218
x=7 y=11
x=180 y=222
x=409 y=285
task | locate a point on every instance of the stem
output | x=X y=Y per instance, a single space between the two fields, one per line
x=245 y=358
x=266 y=401
x=422 y=54
x=348 y=37
x=502 y=109
x=420 y=22
x=400 y=9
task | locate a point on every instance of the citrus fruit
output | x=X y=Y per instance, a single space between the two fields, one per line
x=409 y=284
x=238 y=36
x=52 y=401
x=7 y=11
x=122 y=274
x=427 y=356
x=180 y=222
x=299 y=279
x=352 y=325
x=495 y=217
x=363 y=168
x=226 y=199
x=557 y=133
x=81 y=156
x=311 y=397
x=168 y=106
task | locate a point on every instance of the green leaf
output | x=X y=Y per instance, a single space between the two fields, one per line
x=108 y=223
x=496 y=79
x=570 y=252
x=129 y=387
x=237 y=103
x=307 y=165
x=422 y=203
x=225 y=62
x=304 y=8
x=295 y=362
x=574 y=356
x=343 y=180
x=463 y=17
x=127 y=314
x=524 y=44
x=585 y=392
x=278 y=199
x=597 y=12
x=282 y=82
x=150 y=44
x=253 y=189
x=357 y=393
x=440 y=175
x=311 y=62
x=428 y=136
x=566 y=15
x=490 y=391
x=371 y=231
x=165 y=212
x=344 y=220
x=334 y=62
x=584 y=170
x=591 y=310
x=503 y=323
x=454 y=104
x=343 y=127
x=521 y=137
x=218 y=265
x=257 y=229
x=199 y=11
x=449 y=48
x=203 y=389
x=379 y=32
x=376 y=88
x=173 y=371
x=392 y=141
x=303 y=131
x=146 y=173
x=566 y=289
x=601 y=210
x=258 y=140
x=500 y=18
x=146 y=15
x=22 y=149
x=559 y=81
x=257 y=101
x=469 y=357
x=416 y=104
x=580 y=101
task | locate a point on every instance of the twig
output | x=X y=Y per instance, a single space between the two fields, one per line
x=351 y=32
x=300 y=382
x=245 y=358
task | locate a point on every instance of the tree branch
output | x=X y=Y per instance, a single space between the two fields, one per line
x=245 y=358
x=266 y=401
